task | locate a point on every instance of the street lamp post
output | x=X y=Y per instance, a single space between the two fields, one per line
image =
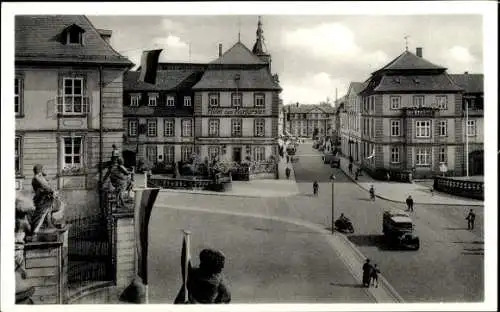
x=332 y=179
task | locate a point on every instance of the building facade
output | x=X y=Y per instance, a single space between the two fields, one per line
x=350 y=120
x=301 y=120
x=68 y=102
x=158 y=119
x=413 y=118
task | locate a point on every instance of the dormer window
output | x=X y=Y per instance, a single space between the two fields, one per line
x=73 y=35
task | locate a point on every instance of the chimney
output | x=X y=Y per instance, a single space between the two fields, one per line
x=419 y=52
x=297 y=104
x=105 y=34
x=220 y=49
x=466 y=73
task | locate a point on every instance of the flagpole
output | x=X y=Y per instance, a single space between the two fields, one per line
x=467 y=137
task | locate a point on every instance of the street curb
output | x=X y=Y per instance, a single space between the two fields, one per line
x=222 y=193
x=382 y=279
x=315 y=227
x=402 y=202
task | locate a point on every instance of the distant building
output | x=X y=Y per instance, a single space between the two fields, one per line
x=413 y=117
x=350 y=122
x=68 y=102
x=302 y=119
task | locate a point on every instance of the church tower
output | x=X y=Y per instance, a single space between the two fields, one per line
x=259 y=48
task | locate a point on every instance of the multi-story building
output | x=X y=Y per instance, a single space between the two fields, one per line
x=68 y=103
x=350 y=119
x=158 y=118
x=236 y=105
x=473 y=119
x=413 y=118
x=303 y=119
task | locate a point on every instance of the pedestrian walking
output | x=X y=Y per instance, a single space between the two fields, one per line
x=367 y=268
x=351 y=159
x=287 y=158
x=350 y=168
x=315 y=188
x=372 y=193
x=471 y=217
x=287 y=173
x=409 y=203
x=374 y=276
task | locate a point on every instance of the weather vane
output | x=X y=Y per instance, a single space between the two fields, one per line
x=406 y=41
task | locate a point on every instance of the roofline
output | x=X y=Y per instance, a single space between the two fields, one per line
x=214 y=62
x=239 y=89
x=54 y=61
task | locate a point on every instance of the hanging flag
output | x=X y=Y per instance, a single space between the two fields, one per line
x=372 y=155
x=149 y=66
x=144 y=201
x=185 y=263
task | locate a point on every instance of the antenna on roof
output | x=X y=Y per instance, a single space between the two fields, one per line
x=406 y=41
x=239 y=29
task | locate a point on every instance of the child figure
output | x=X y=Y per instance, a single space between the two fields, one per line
x=374 y=276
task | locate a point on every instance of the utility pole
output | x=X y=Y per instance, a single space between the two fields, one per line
x=332 y=179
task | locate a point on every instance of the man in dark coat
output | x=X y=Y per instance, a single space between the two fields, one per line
x=287 y=172
x=409 y=203
x=367 y=270
x=471 y=217
x=206 y=283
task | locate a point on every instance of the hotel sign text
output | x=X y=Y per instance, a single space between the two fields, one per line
x=236 y=111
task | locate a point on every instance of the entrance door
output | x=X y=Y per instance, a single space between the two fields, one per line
x=476 y=163
x=237 y=154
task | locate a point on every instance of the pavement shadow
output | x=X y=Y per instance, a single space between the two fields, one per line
x=364 y=199
x=286 y=231
x=370 y=240
x=473 y=242
x=347 y=285
x=455 y=228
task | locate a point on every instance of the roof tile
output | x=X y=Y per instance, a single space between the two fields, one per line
x=471 y=83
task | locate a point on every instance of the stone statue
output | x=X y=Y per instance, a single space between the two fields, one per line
x=120 y=178
x=49 y=208
x=24 y=206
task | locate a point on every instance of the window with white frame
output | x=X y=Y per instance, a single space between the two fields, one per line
x=213 y=99
x=442 y=154
x=18 y=156
x=471 y=128
x=423 y=156
x=168 y=154
x=395 y=102
x=169 y=128
x=443 y=127
x=213 y=152
x=152 y=99
x=213 y=127
x=151 y=153
x=134 y=100
x=442 y=101
x=186 y=153
x=187 y=129
x=260 y=100
x=395 y=127
x=395 y=155
x=72 y=152
x=132 y=127
x=236 y=99
x=236 y=127
x=152 y=128
x=73 y=95
x=418 y=100
x=259 y=153
x=18 y=98
x=423 y=129
x=187 y=101
x=259 y=127
x=170 y=100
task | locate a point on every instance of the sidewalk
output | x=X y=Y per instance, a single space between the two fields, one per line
x=253 y=188
x=398 y=191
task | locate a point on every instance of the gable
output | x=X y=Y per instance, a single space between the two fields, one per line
x=238 y=54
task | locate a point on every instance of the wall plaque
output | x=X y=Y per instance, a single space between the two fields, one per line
x=250 y=111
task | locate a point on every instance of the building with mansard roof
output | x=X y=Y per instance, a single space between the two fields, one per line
x=226 y=109
x=236 y=105
x=68 y=103
x=412 y=118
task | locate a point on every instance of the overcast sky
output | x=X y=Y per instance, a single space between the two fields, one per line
x=313 y=55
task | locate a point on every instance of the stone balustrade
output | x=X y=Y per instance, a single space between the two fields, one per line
x=464 y=188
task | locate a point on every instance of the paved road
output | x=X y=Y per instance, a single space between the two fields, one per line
x=449 y=265
x=267 y=261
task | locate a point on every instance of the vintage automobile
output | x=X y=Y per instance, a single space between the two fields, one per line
x=398 y=228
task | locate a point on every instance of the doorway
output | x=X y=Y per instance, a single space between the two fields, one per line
x=237 y=154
